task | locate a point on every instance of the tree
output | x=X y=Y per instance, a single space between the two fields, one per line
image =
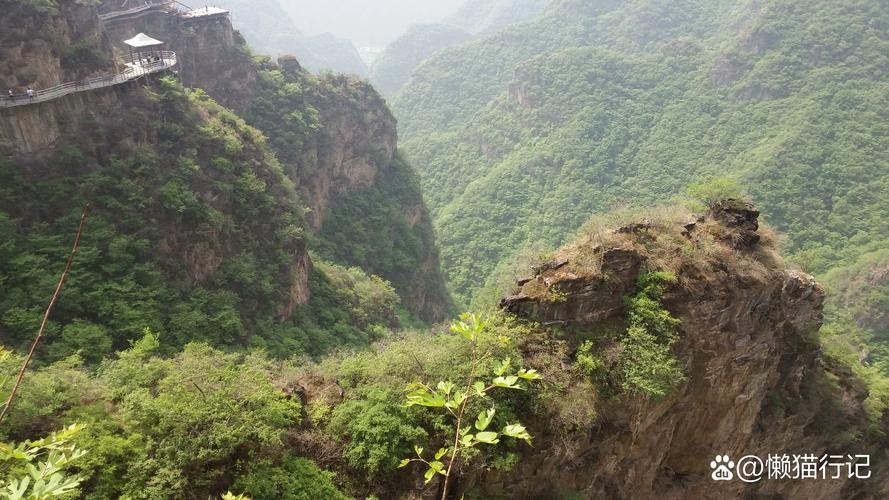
x=456 y=400
x=711 y=190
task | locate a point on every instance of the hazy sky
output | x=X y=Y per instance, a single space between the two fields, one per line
x=371 y=22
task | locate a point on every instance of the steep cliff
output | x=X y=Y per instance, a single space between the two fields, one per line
x=365 y=200
x=196 y=231
x=757 y=382
x=189 y=208
x=211 y=54
x=337 y=141
x=335 y=136
x=43 y=44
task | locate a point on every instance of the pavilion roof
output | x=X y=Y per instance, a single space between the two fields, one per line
x=142 y=40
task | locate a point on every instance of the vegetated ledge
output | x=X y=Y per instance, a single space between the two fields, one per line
x=756 y=381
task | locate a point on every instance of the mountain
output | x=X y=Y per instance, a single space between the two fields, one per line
x=598 y=104
x=475 y=18
x=394 y=66
x=375 y=23
x=189 y=261
x=638 y=350
x=241 y=319
x=270 y=30
x=485 y=17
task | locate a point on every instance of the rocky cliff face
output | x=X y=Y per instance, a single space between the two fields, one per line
x=42 y=47
x=354 y=141
x=355 y=183
x=211 y=54
x=34 y=129
x=757 y=382
x=349 y=150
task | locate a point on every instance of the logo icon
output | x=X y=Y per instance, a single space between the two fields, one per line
x=722 y=467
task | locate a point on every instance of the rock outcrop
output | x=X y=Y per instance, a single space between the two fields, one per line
x=43 y=46
x=757 y=383
x=211 y=54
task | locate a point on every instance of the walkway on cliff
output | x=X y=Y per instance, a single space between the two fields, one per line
x=135 y=70
x=185 y=12
x=148 y=5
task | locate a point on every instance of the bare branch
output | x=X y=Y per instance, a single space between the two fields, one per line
x=52 y=303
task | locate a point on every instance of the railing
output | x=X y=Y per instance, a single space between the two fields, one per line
x=203 y=12
x=135 y=10
x=134 y=70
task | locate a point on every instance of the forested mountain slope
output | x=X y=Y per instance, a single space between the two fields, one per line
x=337 y=141
x=476 y=18
x=394 y=66
x=483 y=17
x=210 y=342
x=202 y=225
x=603 y=103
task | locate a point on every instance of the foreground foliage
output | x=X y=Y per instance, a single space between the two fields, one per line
x=457 y=400
x=39 y=469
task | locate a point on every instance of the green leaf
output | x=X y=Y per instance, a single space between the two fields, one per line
x=466 y=441
x=479 y=388
x=484 y=419
x=465 y=329
x=507 y=382
x=434 y=468
x=487 y=437
x=430 y=473
x=404 y=463
x=441 y=452
x=529 y=374
x=419 y=451
x=501 y=367
x=458 y=399
x=445 y=387
x=517 y=431
x=422 y=397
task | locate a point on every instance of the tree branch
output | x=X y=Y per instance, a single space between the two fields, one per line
x=52 y=303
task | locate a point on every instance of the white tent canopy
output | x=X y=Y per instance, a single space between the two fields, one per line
x=142 y=40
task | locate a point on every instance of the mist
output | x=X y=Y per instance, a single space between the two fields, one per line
x=365 y=22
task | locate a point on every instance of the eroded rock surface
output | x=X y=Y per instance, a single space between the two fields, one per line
x=757 y=383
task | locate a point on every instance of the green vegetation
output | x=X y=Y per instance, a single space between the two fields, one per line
x=45 y=461
x=160 y=427
x=196 y=234
x=289 y=477
x=476 y=18
x=595 y=105
x=209 y=345
x=636 y=356
x=203 y=422
x=461 y=400
x=391 y=70
x=484 y=17
x=706 y=193
x=649 y=366
x=382 y=227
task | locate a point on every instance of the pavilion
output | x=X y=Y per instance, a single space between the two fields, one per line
x=144 y=49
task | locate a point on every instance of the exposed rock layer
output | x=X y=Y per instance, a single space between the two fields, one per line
x=756 y=385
